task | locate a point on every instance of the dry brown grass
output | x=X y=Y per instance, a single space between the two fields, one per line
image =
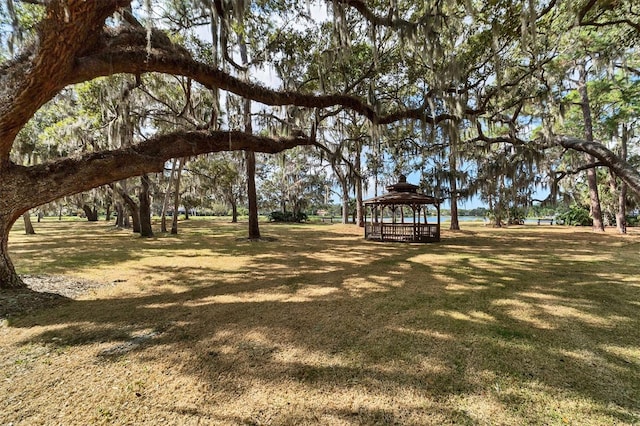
x=526 y=325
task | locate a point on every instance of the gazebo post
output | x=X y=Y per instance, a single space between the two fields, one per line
x=415 y=225
x=364 y=212
x=382 y=223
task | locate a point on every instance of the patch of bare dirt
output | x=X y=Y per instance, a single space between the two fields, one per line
x=43 y=291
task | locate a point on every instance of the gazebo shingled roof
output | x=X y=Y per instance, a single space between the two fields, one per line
x=402 y=193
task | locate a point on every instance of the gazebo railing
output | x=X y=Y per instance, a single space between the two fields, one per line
x=408 y=232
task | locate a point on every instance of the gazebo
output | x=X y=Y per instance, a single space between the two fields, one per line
x=389 y=220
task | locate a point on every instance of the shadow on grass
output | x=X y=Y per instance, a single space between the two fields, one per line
x=522 y=320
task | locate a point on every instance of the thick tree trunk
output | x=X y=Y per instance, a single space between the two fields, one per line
x=28 y=226
x=8 y=276
x=134 y=212
x=120 y=215
x=592 y=180
x=90 y=213
x=133 y=207
x=145 y=207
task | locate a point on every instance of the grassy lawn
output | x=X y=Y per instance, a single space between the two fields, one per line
x=525 y=325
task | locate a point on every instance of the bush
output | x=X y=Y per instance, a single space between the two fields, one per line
x=219 y=209
x=243 y=211
x=278 y=216
x=576 y=216
x=516 y=216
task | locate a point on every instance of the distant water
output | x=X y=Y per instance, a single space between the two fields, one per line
x=433 y=219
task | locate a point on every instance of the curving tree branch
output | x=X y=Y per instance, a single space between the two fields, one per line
x=606 y=157
x=49 y=181
x=69 y=30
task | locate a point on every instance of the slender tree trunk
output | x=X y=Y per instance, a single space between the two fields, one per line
x=250 y=159
x=107 y=217
x=621 y=213
x=250 y=156
x=453 y=185
x=453 y=181
x=592 y=180
x=165 y=202
x=455 y=223
x=283 y=201
x=252 y=195
x=145 y=207
x=28 y=226
x=176 y=199
x=234 y=212
x=358 y=183
x=345 y=200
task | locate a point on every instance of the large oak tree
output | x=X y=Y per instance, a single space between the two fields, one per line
x=78 y=40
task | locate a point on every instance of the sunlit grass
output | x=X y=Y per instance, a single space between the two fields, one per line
x=525 y=325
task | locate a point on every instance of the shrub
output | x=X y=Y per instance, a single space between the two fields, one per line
x=278 y=216
x=219 y=209
x=516 y=216
x=576 y=216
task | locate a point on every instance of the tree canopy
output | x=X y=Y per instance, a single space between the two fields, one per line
x=468 y=80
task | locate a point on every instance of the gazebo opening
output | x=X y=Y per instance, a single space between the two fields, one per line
x=402 y=215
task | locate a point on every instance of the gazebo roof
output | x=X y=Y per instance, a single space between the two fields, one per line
x=402 y=193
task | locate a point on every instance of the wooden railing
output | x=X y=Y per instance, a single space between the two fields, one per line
x=409 y=232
